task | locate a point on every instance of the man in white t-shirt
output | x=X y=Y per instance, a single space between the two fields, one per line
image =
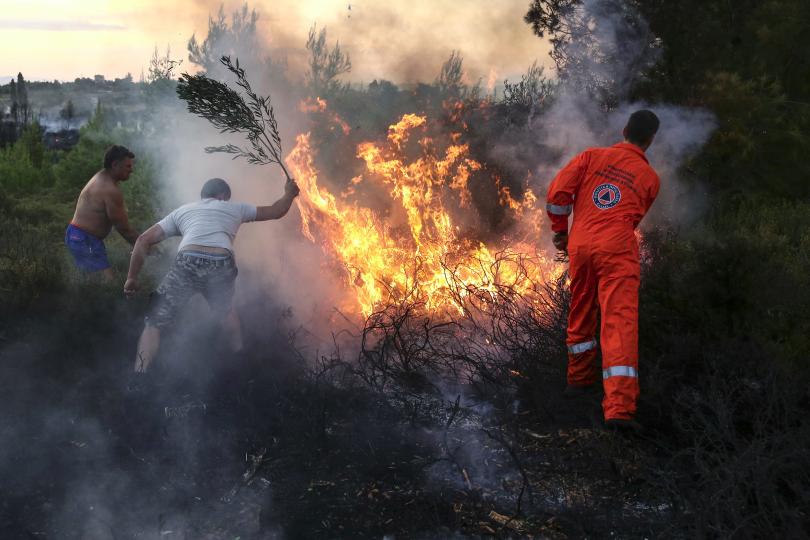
x=204 y=262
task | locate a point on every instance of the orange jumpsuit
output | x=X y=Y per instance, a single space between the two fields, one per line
x=609 y=191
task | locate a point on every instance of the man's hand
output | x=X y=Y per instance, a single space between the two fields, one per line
x=279 y=208
x=560 y=241
x=130 y=287
x=291 y=189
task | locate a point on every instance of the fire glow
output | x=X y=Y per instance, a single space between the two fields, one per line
x=423 y=257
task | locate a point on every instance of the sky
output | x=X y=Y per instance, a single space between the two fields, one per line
x=402 y=41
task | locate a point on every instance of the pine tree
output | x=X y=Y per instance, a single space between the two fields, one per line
x=22 y=101
x=15 y=107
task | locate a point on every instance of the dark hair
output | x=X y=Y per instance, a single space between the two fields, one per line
x=116 y=153
x=641 y=127
x=214 y=188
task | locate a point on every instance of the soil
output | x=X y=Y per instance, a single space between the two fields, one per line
x=262 y=445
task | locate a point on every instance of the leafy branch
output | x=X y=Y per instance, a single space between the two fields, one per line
x=230 y=112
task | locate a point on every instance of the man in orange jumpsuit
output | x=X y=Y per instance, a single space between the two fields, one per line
x=609 y=191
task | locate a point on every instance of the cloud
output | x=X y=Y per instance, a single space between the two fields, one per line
x=58 y=25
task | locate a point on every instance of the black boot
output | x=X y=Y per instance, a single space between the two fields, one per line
x=573 y=392
x=624 y=426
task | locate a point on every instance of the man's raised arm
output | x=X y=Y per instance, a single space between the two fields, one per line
x=279 y=208
x=117 y=214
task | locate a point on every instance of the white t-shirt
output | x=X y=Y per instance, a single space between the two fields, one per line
x=208 y=222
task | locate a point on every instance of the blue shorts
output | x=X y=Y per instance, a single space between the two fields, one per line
x=88 y=251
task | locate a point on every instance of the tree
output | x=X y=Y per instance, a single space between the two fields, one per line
x=235 y=40
x=31 y=140
x=451 y=74
x=161 y=68
x=14 y=105
x=22 y=91
x=450 y=82
x=21 y=108
x=747 y=62
x=160 y=78
x=601 y=47
x=533 y=91
x=68 y=112
x=325 y=65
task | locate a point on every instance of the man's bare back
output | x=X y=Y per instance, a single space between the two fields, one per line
x=98 y=205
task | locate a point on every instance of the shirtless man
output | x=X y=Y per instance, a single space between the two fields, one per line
x=204 y=263
x=100 y=208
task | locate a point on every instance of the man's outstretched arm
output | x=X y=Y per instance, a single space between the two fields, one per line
x=152 y=236
x=279 y=208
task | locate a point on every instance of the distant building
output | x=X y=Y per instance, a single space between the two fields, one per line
x=61 y=140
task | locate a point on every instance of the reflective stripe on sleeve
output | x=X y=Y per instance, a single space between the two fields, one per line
x=619 y=371
x=577 y=348
x=558 y=210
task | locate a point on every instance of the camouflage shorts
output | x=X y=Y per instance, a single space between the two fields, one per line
x=191 y=273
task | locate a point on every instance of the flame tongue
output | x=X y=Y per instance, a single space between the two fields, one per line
x=424 y=262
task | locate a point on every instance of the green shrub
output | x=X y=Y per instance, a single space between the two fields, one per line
x=31 y=265
x=140 y=191
x=79 y=164
x=724 y=326
x=22 y=165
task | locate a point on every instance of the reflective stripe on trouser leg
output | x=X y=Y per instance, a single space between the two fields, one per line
x=583 y=317
x=576 y=348
x=621 y=391
x=619 y=371
x=618 y=299
x=583 y=369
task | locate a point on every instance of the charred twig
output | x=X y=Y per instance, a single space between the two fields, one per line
x=451 y=456
x=503 y=327
x=456 y=408
x=525 y=484
x=256 y=461
x=230 y=112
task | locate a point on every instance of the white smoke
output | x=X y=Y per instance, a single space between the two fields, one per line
x=276 y=260
x=617 y=52
x=574 y=124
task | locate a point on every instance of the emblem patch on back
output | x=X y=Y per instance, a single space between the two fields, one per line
x=606 y=196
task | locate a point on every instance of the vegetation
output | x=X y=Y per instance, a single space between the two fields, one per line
x=38 y=190
x=725 y=314
x=228 y=111
x=325 y=65
x=725 y=304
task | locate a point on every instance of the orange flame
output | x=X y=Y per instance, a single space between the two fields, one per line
x=491 y=79
x=311 y=105
x=425 y=260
